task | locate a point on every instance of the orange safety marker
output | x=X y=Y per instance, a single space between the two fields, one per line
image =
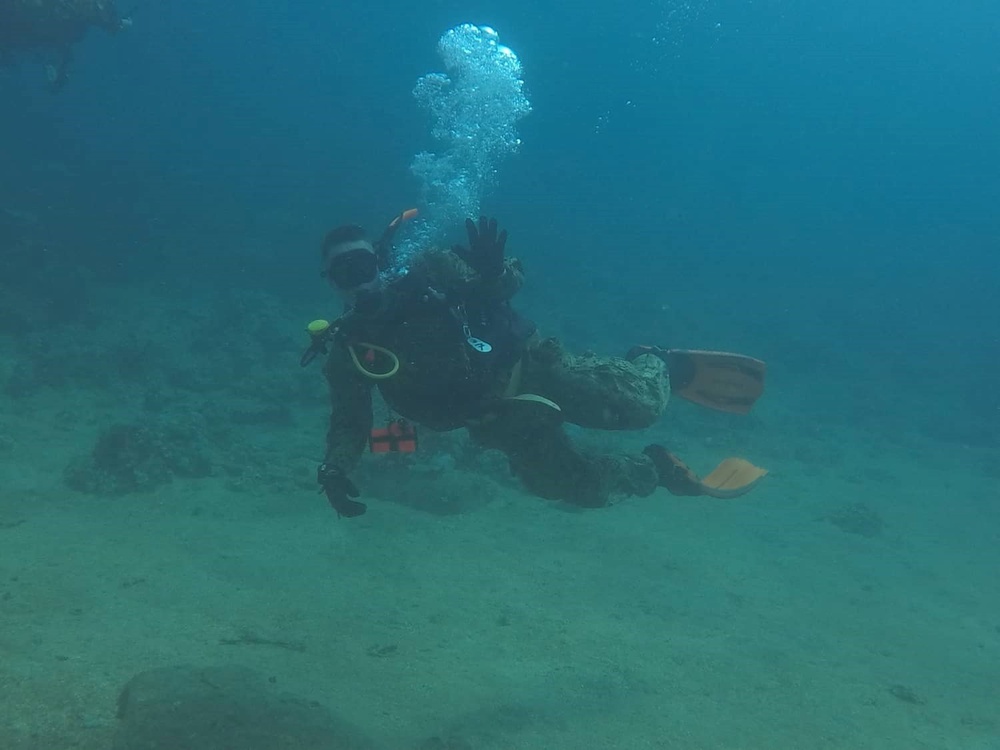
x=399 y=436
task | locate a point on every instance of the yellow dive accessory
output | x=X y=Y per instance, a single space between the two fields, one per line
x=321 y=335
x=318 y=327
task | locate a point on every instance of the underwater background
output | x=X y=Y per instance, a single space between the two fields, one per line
x=814 y=184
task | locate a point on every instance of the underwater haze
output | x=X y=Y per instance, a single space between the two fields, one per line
x=812 y=184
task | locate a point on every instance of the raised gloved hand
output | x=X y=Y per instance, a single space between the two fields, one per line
x=339 y=490
x=486 y=248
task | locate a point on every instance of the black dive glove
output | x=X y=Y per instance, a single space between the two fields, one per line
x=486 y=248
x=339 y=490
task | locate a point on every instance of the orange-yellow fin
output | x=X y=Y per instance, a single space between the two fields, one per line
x=732 y=478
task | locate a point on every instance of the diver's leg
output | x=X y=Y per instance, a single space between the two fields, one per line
x=598 y=392
x=604 y=393
x=544 y=458
x=607 y=393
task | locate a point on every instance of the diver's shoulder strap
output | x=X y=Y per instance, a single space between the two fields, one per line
x=383 y=246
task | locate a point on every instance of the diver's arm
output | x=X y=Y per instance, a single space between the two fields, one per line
x=350 y=411
x=497 y=277
x=508 y=283
x=348 y=432
x=450 y=274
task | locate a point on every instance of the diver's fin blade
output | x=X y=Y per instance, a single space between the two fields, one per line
x=732 y=478
x=717 y=380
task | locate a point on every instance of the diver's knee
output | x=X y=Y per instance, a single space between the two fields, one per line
x=645 y=404
x=645 y=416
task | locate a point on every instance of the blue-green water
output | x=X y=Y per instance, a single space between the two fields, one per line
x=812 y=184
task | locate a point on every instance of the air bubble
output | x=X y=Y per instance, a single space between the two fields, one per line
x=475 y=106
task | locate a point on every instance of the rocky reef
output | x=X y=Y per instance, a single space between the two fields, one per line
x=139 y=457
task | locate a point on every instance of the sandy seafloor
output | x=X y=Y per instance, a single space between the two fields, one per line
x=512 y=622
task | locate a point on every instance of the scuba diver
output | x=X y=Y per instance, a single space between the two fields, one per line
x=447 y=350
x=52 y=27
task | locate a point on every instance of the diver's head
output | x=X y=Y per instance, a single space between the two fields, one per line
x=349 y=261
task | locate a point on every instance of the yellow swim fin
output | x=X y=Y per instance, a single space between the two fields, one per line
x=732 y=478
x=718 y=380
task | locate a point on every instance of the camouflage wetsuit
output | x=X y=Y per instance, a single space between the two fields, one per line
x=443 y=383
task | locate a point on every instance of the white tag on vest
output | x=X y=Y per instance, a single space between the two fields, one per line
x=479 y=345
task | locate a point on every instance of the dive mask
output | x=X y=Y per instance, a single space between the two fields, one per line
x=352 y=268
